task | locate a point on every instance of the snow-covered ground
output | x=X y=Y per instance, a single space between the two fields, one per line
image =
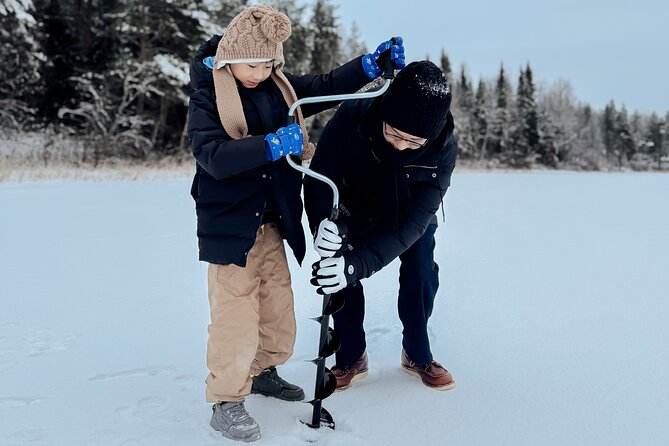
x=553 y=316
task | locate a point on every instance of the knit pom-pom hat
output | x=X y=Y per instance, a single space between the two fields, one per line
x=254 y=35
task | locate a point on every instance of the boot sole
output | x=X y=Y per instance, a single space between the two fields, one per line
x=448 y=386
x=357 y=377
x=245 y=440
x=253 y=437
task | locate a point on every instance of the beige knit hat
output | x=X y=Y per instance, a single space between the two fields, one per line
x=258 y=32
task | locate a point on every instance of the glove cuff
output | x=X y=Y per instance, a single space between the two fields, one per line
x=370 y=67
x=353 y=268
x=272 y=147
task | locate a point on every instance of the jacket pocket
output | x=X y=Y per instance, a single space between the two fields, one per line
x=416 y=172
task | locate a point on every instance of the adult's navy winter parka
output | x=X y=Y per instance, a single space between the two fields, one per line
x=234 y=182
x=390 y=196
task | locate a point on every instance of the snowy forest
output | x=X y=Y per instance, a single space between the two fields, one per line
x=93 y=82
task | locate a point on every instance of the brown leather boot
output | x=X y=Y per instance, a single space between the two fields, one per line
x=348 y=375
x=434 y=375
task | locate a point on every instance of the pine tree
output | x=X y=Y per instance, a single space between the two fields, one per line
x=105 y=26
x=324 y=54
x=500 y=122
x=655 y=136
x=63 y=59
x=562 y=135
x=518 y=144
x=665 y=149
x=586 y=138
x=162 y=36
x=325 y=46
x=636 y=131
x=526 y=136
x=551 y=134
x=480 y=120
x=609 y=136
x=463 y=113
x=219 y=13
x=134 y=100
x=296 y=48
x=353 y=46
x=20 y=80
x=445 y=64
x=624 y=141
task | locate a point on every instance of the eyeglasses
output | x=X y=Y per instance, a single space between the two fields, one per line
x=412 y=145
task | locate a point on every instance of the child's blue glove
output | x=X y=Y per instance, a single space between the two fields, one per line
x=396 y=47
x=286 y=141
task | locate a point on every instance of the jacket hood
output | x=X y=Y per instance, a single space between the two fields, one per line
x=200 y=75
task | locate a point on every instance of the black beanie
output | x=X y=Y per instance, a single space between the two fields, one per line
x=418 y=100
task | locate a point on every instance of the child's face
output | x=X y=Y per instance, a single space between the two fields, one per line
x=251 y=74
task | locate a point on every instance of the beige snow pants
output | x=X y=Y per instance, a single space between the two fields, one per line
x=252 y=318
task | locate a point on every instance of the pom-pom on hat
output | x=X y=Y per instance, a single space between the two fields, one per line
x=418 y=100
x=254 y=35
x=258 y=32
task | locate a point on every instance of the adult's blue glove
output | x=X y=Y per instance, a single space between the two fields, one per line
x=286 y=141
x=396 y=47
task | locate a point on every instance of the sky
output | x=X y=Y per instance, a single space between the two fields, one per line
x=552 y=315
x=607 y=49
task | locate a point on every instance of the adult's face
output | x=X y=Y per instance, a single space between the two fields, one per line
x=401 y=140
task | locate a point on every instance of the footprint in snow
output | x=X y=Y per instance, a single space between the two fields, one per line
x=144 y=371
x=18 y=402
x=44 y=340
x=23 y=437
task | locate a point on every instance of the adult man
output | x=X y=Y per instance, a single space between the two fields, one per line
x=391 y=158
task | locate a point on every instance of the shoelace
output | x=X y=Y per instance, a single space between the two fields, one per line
x=274 y=377
x=238 y=412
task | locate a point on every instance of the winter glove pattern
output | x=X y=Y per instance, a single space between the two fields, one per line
x=396 y=47
x=286 y=141
x=328 y=241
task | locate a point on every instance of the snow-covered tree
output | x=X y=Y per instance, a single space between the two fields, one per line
x=325 y=53
x=215 y=15
x=569 y=127
x=20 y=80
x=296 y=48
x=326 y=42
x=500 y=121
x=637 y=124
x=624 y=140
x=161 y=36
x=107 y=113
x=480 y=120
x=609 y=136
x=353 y=46
x=463 y=114
x=445 y=64
x=525 y=144
x=654 y=138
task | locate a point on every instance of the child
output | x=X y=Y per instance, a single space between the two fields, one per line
x=248 y=201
